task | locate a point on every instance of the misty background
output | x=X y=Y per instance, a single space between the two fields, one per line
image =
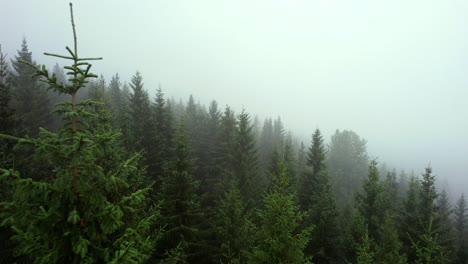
x=395 y=72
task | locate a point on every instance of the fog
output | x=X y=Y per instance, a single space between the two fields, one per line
x=395 y=72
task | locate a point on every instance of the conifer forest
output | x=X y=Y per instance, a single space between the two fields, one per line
x=110 y=169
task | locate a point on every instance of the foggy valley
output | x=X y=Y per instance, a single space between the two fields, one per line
x=233 y=131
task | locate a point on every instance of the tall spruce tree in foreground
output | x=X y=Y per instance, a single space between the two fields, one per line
x=280 y=238
x=91 y=210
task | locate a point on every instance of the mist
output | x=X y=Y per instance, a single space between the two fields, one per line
x=393 y=72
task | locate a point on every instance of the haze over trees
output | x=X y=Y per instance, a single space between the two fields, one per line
x=116 y=175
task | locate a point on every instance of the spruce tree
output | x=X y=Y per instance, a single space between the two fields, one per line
x=139 y=110
x=7 y=122
x=142 y=131
x=428 y=196
x=213 y=171
x=245 y=160
x=390 y=249
x=266 y=145
x=91 y=208
x=233 y=227
x=365 y=254
x=461 y=220
x=391 y=193
x=163 y=135
x=30 y=99
x=443 y=224
x=316 y=196
x=180 y=206
x=280 y=238
x=427 y=248
x=409 y=218
x=115 y=94
x=369 y=201
x=347 y=165
x=7 y=126
x=226 y=145
x=301 y=165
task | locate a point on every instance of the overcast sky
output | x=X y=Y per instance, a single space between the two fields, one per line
x=395 y=72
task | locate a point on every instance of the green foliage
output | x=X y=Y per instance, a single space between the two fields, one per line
x=245 y=160
x=233 y=227
x=428 y=196
x=443 y=224
x=140 y=127
x=389 y=250
x=226 y=145
x=280 y=239
x=30 y=99
x=461 y=219
x=428 y=250
x=347 y=165
x=180 y=207
x=6 y=111
x=90 y=209
x=211 y=186
x=315 y=195
x=410 y=218
x=369 y=201
x=365 y=255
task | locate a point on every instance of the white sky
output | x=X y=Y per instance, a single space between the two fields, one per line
x=395 y=72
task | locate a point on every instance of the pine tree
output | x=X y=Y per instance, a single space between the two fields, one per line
x=410 y=220
x=289 y=157
x=279 y=133
x=461 y=219
x=91 y=208
x=389 y=250
x=163 y=135
x=365 y=254
x=212 y=180
x=316 y=196
x=7 y=126
x=266 y=145
x=245 y=160
x=7 y=122
x=280 y=238
x=428 y=249
x=115 y=94
x=428 y=196
x=233 y=227
x=226 y=145
x=443 y=224
x=347 y=165
x=30 y=99
x=139 y=110
x=369 y=201
x=142 y=131
x=391 y=194
x=180 y=202
x=301 y=166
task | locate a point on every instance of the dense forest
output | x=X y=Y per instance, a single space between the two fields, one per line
x=104 y=172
